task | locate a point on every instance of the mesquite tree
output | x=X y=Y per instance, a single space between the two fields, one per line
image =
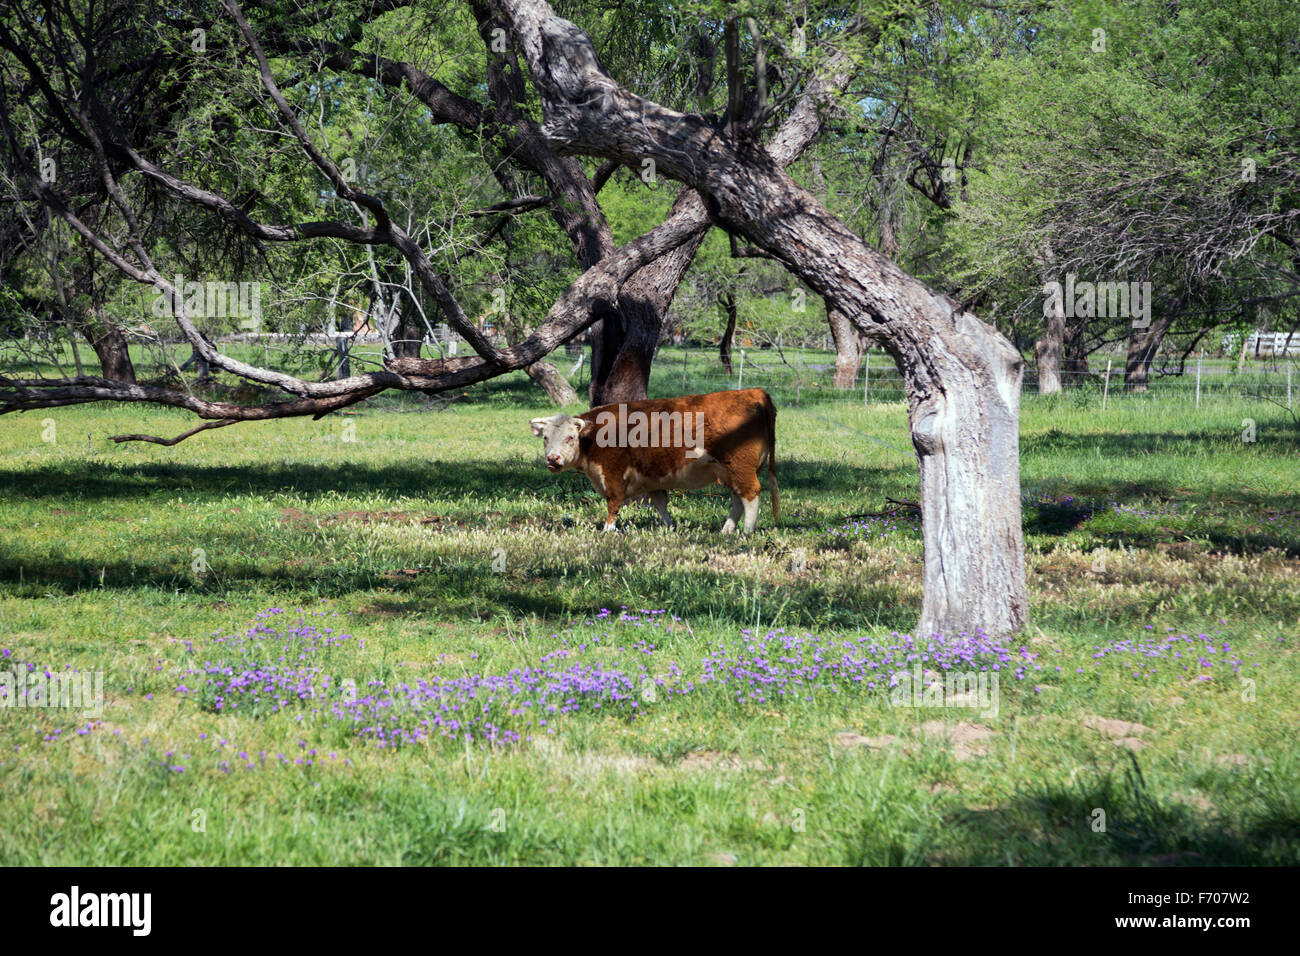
x=1139 y=142
x=961 y=376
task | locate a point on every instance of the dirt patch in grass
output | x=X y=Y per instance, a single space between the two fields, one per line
x=851 y=741
x=713 y=760
x=968 y=740
x=296 y=516
x=1116 y=729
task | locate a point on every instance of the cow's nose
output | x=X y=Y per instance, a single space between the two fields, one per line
x=552 y=459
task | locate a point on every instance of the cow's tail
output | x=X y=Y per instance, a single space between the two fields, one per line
x=770 y=411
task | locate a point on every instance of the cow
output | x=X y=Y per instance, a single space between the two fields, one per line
x=645 y=449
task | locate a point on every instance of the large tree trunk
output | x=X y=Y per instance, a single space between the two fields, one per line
x=110 y=344
x=623 y=346
x=961 y=376
x=1143 y=345
x=966 y=436
x=848 y=347
x=407 y=333
x=625 y=342
x=548 y=378
x=1075 y=371
x=728 y=302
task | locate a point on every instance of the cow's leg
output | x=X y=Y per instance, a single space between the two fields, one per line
x=737 y=508
x=751 y=513
x=660 y=500
x=745 y=491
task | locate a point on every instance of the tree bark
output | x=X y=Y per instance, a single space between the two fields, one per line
x=1050 y=347
x=961 y=376
x=1075 y=371
x=1143 y=345
x=548 y=378
x=728 y=302
x=848 y=347
x=110 y=345
x=1049 y=350
x=625 y=342
x=406 y=333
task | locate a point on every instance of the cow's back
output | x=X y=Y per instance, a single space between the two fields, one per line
x=732 y=423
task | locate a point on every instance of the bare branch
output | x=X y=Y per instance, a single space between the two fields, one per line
x=179 y=438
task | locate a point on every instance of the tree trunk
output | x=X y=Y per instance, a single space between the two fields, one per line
x=110 y=344
x=624 y=343
x=1075 y=370
x=548 y=378
x=406 y=333
x=728 y=302
x=966 y=435
x=962 y=379
x=888 y=234
x=848 y=347
x=1143 y=345
x=1050 y=348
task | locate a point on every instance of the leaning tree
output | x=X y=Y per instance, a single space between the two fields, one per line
x=961 y=376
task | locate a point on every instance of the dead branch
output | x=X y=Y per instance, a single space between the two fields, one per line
x=179 y=438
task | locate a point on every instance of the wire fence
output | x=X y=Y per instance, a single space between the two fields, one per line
x=801 y=376
x=798 y=375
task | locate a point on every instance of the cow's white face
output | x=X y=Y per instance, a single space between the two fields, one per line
x=560 y=439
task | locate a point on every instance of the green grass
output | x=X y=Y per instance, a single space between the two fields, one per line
x=440 y=541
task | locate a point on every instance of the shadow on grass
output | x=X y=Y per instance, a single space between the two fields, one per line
x=1273 y=441
x=416 y=478
x=460 y=591
x=1115 y=820
x=1237 y=521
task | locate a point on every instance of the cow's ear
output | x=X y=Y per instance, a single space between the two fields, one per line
x=588 y=427
x=538 y=425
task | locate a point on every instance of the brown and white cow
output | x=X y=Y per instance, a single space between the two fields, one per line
x=646 y=449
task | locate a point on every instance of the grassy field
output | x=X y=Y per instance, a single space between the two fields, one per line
x=463 y=669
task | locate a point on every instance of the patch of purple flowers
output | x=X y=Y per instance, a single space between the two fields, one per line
x=1196 y=656
x=611 y=664
x=264 y=669
x=875 y=527
x=785 y=666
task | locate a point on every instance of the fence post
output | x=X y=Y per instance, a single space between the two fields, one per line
x=1105 y=390
x=685 y=347
x=866 y=375
x=1288 y=385
x=798 y=378
x=740 y=371
x=1198 y=383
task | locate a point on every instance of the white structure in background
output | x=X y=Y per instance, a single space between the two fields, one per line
x=445 y=339
x=1273 y=343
